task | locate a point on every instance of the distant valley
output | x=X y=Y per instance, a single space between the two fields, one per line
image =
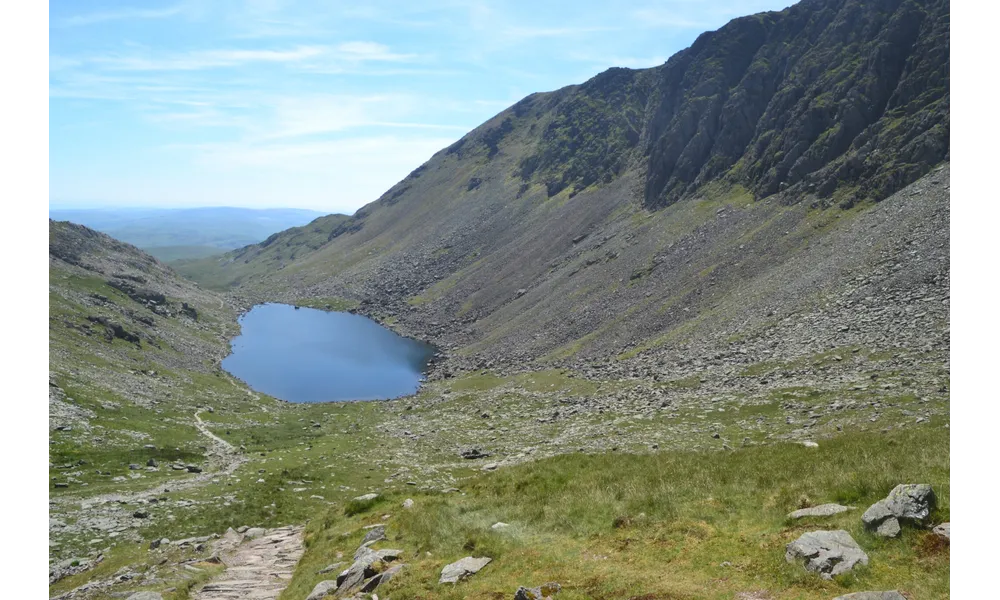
x=182 y=233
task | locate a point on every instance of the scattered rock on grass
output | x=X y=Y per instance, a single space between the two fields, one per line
x=322 y=589
x=381 y=578
x=828 y=553
x=543 y=592
x=462 y=569
x=374 y=534
x=943 y=530
x=330 y=568
x=906 y=502
x=823 y=510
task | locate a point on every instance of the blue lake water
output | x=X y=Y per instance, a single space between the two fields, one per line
x=309 y=355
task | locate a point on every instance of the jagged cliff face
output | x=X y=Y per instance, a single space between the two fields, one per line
x=823 y=94
x=645 y=208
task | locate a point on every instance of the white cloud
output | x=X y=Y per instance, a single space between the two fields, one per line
x=345 y=55
x=207 y=59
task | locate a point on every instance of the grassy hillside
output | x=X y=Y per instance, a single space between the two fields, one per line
x=255 y=261
x=660 y=525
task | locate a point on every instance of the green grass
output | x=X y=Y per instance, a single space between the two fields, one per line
x=658 y=525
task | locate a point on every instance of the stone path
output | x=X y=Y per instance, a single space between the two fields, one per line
x=256 y=569
x=204 y=431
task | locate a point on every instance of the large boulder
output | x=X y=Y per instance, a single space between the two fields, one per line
x=462 y=569
x=912 y=503
x=828 y=553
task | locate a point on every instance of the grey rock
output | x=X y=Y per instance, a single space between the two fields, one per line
x=145 y=596
x=499 y=525
x=408 y=503
x=366 y=497
x=828 y=553
x=322 y=589
x=890 y=595
x=462 y=569
x=389 y=555
x=875 y=515
x=381 y=578
x=366 y=564
x=330 y=568
x=943 y=530
x=542 y=592
x=374 y=534
x=889 y=528
x=912 y=502
x=474 y=453
x=253 y=533
x=823 y=510
x=905 y=503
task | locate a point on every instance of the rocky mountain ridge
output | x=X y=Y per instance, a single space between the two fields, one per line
x=608 y=218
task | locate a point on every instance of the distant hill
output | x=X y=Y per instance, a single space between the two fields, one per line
x=171 y=234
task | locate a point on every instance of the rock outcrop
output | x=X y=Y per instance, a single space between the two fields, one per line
x=828 y=553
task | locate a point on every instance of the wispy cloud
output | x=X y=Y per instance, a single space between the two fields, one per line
x=296 y=116
x=119 y=15
x=206 y=59
x=343 y=55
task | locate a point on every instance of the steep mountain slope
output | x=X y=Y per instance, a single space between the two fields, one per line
x=663 y=207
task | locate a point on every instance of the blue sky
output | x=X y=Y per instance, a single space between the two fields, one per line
x=324 y=105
